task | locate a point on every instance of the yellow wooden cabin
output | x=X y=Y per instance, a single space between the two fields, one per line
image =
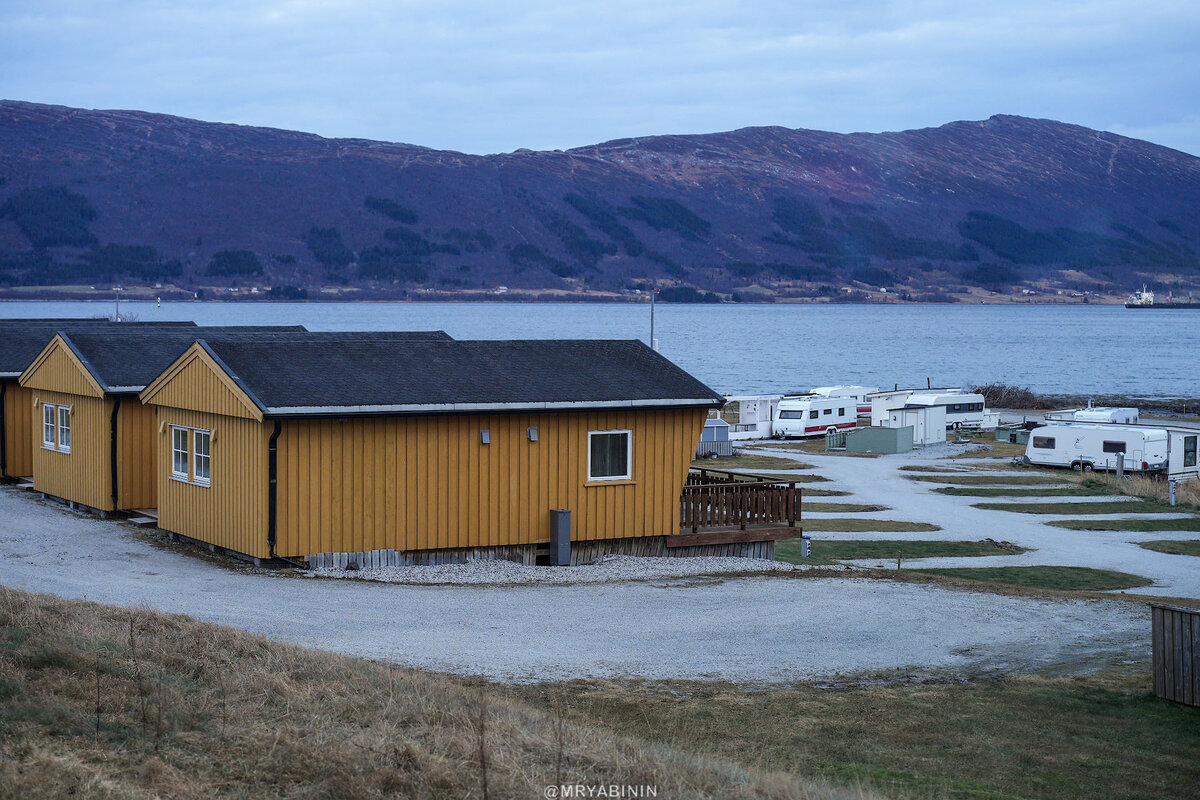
x=21 y=341
x=422 y=453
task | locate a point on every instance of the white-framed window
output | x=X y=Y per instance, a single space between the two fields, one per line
x=191 y=455
x=202 y=457
x=610 y=455
x=48 y=425
x=179 y=453
x=64 y=428
x=56 y=427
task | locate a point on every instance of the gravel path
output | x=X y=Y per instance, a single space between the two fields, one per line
x=880 y=480
x=746 y=629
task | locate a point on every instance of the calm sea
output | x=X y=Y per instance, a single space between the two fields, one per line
x=745 y=349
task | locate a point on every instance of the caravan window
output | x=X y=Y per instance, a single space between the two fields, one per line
x=812 y=414
x=1189 y=451
x=1043 y=442
x=791 y=415
x=956 y=408
x=841 y=412
x=1115 y=447
x=828 y=411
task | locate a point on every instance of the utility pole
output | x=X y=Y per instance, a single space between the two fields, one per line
x=117 y=314
x=653 y=341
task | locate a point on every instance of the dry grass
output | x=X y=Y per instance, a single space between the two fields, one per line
x=1130 y=524
x=1103 y=737
x=814 y=446
x=833 y=552
x=1081 y=509
x=1187 y=493
x=1072 y=579
x=984 y=480
x=1001 y=491
x=99 y=702
x=844 y=508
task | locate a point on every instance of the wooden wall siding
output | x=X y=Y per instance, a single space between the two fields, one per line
x=418 y=483
x=137 y=429
x=19 y=421
x=82 y=475
x=60 y=371
x=197 y=385
x=1175 y=633
x=232 y=512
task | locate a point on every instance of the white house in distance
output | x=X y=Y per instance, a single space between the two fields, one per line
x=928 y=423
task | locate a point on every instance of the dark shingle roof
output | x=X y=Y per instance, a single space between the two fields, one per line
x=303 y=376
x=21 y=340
x=127 y=360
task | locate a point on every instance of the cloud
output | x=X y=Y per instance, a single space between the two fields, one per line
x=487 y=77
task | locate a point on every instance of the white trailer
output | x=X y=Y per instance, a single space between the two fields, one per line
x=860 y=394
x=1122 y=416
x=814 y=416
x=755 y=415
x=1088 y=446
x=963 y=409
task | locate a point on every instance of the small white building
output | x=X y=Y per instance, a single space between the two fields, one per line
x=755 y=413
x=928 y=423
x=1122 y=415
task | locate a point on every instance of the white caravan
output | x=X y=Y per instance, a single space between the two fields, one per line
x=857 y=393
x=963 y=409
x=1085 y=447
x=814 y=416
x=1124 y=415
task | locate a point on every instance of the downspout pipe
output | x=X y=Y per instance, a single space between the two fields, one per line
x=273 y=495
x=3 y=432
x=112 y=449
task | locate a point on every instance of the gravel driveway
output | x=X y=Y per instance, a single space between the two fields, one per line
x=748 y=629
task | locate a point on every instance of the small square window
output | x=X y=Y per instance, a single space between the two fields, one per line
x=812 y=414
x=828 y=411
x=609 y=455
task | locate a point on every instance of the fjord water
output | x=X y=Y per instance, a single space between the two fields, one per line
x=745 y=349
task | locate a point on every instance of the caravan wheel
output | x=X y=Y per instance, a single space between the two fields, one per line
x=831 y=429
x=1087 y=467
x=958 y=426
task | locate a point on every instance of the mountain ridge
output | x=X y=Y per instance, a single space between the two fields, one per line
x=763 y=212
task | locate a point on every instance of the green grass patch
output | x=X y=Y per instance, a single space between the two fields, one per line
x=861 y=525
x=825 y=493
x=785 y=477
x=750 y=461
x=845 y=508
x=1078 y=509
x=1184 y=547
x=986 y=480
x=925 y=468
x=831 y=552
x=983 y=491
x=1181 y=524
x=1045 y=577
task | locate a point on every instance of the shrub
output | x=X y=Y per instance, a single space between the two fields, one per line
x=1002 y=395
x=326 y=246
x=51 y=216
x=391 y=209
x=235 y=262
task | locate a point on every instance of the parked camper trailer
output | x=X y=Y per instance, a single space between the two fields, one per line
x=814 y=416
x=963 y=409
x=1102 y=414
x=1086 y=447
x=857 y=393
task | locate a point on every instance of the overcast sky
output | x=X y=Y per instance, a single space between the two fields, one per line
x=487 y=77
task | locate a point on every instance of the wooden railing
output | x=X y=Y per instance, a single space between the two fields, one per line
x=714 y=499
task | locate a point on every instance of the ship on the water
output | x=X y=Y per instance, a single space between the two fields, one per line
x=1145 y=299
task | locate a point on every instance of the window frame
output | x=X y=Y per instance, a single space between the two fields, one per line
x=196 y=456
x=1107 y=447
x=63 y=410
x=49 y=426
x=191 y=455
x=628 y=476
x=1042 y=442
x=1190 y=450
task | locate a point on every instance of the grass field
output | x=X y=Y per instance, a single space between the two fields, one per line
x=998 y=449
x=986 y=480
x=1184 y=524
x=1101 y=737
x=994 y=491
x=1187 y=493
x=947 y=470
x=860 y=525
x=1081 y=509
x=845 y=508
x=827 y=552
x=750 y=461
x=101 y=702
x=1182 y=547
x=1045 y=577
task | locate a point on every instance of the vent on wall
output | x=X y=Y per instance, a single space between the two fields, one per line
x=485 y=436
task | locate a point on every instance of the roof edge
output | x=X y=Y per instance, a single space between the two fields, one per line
x=443 y=408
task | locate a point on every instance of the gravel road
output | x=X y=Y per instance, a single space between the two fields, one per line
x=765 y=629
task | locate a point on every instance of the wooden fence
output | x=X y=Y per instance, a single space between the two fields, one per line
x=737 y=502
x=1176 y=635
